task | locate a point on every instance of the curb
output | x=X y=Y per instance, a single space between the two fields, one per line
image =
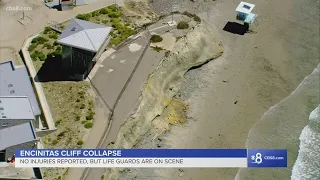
x=39 y=90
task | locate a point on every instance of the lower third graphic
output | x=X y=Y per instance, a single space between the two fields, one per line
x=267 y=158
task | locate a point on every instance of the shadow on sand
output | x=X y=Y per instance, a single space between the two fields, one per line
x=235 y=28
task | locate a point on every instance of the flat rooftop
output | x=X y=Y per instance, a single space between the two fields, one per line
x=16 y=82
x=12 y=136
x=245 y=7
x=16 y=107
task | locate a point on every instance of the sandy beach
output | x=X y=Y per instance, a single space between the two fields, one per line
x=229 y=95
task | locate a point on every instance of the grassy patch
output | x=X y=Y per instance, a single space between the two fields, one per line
x=182 y=25
x=156 y=38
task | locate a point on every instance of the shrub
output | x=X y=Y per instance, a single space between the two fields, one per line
x=188 y=14
x=104 y=11
x=42 y=56
x=85 y=17
x=183 y=25
x=114 y=15
x=90 y=115
x=40 y=40
x=158 y=49
x=47 y=29
x=48 y=46
x=59 y=48
x=78 y=118
x=34 y=56
x=196 y=18
x=39 y=55
x=80 y=142
x=105 y=21
x=82 y=106
x=57 y=122
x=113 y=8
x=32 y=47
x=156 y=38
x=115 y=41
x=95 y=13
x=57 y=53
x=88 y=125
x=54 y=36
x=55 y=43
x=54 y=142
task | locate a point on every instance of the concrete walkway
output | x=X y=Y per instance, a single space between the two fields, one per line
x=113 y=73
x=33 y=73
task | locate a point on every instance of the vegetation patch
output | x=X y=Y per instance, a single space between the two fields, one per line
x=156 y=38
x=194 y=16
x=183 y=25
x=111 y=16
x=157 y=48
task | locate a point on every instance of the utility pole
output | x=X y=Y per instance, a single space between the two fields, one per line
x=22 y=14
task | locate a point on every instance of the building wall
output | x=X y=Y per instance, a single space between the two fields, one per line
x=5 y=123
x=28 y=145
x=241 y=16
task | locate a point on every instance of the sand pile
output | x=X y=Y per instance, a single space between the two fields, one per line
x=198 y=47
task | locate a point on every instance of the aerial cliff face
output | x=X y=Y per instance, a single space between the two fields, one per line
x=198 y=47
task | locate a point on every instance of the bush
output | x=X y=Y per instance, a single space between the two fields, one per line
x=54 y=142
x=88 y=125
x=78 y=118
x=42 y=57
x=115 y=41
x=57 y=53
x=156 y=38
x=54 y=36
x=90 y=115
x=188 y=14
x=48 y=46
x=82 y=106
x=57 y=122
x=113 y=8
x=40 y=40
x=80 y=142
x=33 y=56
x=196 y=18
x=158 y=49
x=47 y=29
x=105 y=21
x=104 y=11
x=39 y=55
x=32 y=47
x=95 y=13
x=114 y=15
x=85 y=17
x=183 y=25
x=59 y=48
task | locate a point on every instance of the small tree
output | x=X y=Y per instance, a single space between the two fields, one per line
x=183 y=25
x=156 y=38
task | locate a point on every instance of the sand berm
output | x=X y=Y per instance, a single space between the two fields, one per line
x=198 y=47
